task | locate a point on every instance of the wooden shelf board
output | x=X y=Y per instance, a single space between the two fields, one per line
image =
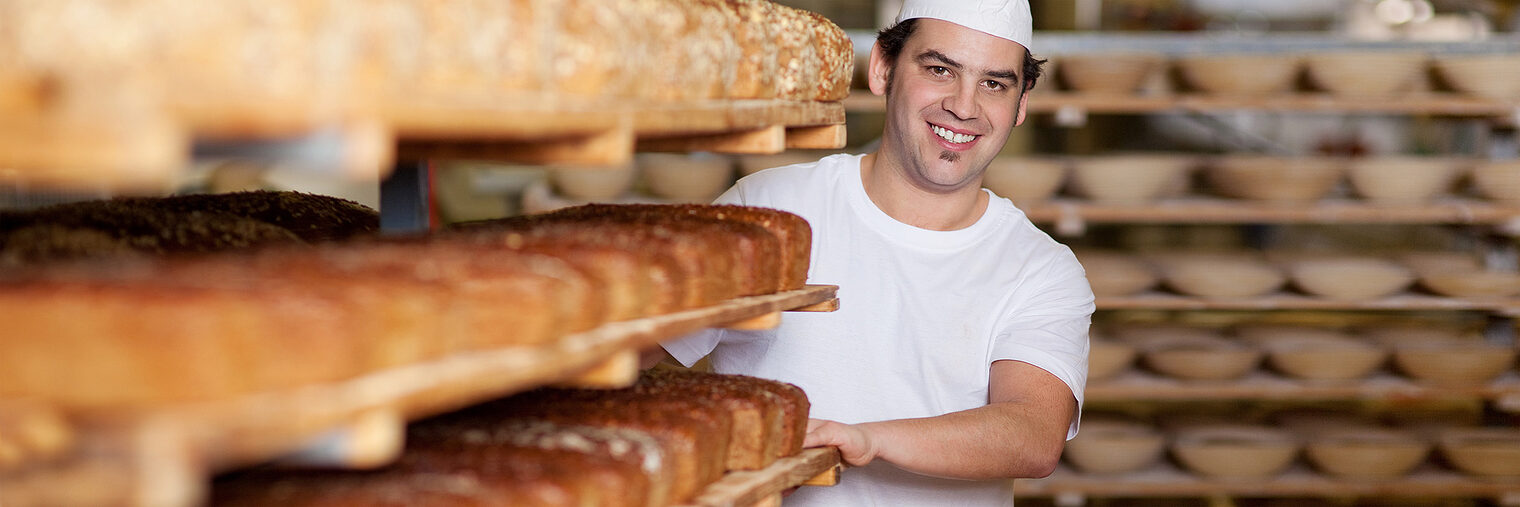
x=1168 y=481
x=1287 y=301
x=750 y=487
x=1047 y=101
x=1217 y=210
x=186 y=443
x=1261 y=385
x=610 y=135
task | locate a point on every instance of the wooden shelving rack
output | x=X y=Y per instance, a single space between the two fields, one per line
x=1456 y=211
x=1071 y=488
x=1288 y=301
x=166 y=455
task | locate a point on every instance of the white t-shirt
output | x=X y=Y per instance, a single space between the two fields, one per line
x=922 y=316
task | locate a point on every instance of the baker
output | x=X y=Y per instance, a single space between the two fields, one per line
x=958 y=357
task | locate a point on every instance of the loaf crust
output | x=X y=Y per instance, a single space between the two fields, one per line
x=694 y=433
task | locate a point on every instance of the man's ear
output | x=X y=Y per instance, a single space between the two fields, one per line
x=1023 y=107
x=880 y=69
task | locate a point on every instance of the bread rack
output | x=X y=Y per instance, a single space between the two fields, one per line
x=166 y=455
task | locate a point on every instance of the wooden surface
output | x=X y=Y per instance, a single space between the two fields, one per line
x=751 y=487
x=1328 y=211
x=148 y=152
x=1261 y=385
x=1168 y=481
x=1045 y=100
x=1406 y=301
x=165 y=456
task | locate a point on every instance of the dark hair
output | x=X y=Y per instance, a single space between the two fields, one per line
x=893 y=38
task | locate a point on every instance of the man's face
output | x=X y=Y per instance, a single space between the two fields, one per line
x=955 y=95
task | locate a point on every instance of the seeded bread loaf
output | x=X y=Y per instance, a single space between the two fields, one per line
x=794 y=235
x=644 y=477
x=180 y=329
x=756 y=252
x=694 y=433
x=758 y=418
x=187 y=224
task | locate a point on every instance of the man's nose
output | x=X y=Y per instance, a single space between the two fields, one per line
x=962 y=102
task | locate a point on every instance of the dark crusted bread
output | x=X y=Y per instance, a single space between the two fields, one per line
x=792 y=231
x=641 y=478
x=311 y=217
x=787 y=400
x=693 y=432
x=178 y=225
x=758 y=429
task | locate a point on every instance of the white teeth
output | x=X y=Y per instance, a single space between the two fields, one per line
x=951 y=136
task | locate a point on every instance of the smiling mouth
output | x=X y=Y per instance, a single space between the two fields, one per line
x=951 y=137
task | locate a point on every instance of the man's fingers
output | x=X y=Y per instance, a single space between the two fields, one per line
x=813 y=424
x=817 y=437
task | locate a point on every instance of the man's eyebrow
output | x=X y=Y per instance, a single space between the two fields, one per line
x=1004 y=74
x=933 y=55
x=936 y=55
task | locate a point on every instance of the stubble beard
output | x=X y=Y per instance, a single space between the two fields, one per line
x=949 y=156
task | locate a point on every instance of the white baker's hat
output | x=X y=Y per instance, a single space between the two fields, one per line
x=1009 y=19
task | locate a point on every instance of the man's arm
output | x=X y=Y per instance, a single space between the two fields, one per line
x=1020 y=433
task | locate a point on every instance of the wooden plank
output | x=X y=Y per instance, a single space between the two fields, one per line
x=374 y=439
x=826 y=137
x=620 y=370
x=1288 y=301
x=1260 y=385
x=828 y=477
x=767 y=140
x=752 y=486
x=767 y=321
x=1164 y=480
x=1216 y=210
x=96 y=153
x=521 y=119
x=609 y=147
x=826 y=306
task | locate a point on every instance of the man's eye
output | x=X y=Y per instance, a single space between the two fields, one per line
x=938 y=71
x=996 y=86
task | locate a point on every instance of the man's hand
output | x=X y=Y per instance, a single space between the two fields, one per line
x=854 y=441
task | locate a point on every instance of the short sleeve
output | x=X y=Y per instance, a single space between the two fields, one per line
x=1048 y=326
x=693 y=347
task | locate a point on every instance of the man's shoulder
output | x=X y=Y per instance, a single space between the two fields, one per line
x=796 y=181
x=816 y=169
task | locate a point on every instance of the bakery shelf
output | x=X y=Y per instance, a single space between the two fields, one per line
x=1297 y=481
x=575 y=82
x=818 y=466
x=1436 y=104
x=1287 y=301
x=1260 y=385
x=610 y=135
x=165 y=455
x=1328 y=211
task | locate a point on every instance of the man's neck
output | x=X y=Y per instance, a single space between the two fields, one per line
x=894 y=195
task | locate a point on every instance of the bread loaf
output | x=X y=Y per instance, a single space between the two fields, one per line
x=757 y=252
x=793 y=233
x=656 y=443
x=694 y=433
x=469 y=477
x=758 y=419
x=178 y=225
x=705 y=265
x=642 y=477
x=209 y=327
